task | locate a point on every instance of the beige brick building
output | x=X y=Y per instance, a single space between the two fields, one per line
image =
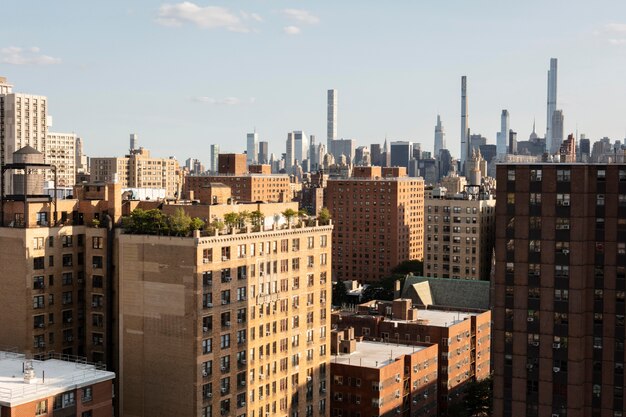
x=237 y=324
x=244 y=187
x=459 y=237
x=138 y=170
x=61 y=152
x=379 y=222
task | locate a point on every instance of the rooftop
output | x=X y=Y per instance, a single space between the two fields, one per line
x=438 y=318
x=60 y=376
x=375 y=354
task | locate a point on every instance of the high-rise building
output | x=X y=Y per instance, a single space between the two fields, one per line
x=236 y=324
x=551 y=105
x=345 y=147
x=301 y=148
x=376 y=154
x=460 y=234
x=560 y=278
x=24 y=122
x=557 y=131
x=290 y=151
x=134 y=142
x=252 y=148
x=401 y=154
x=464 y=120
x=585 y=148
x=214 y=155
x=512 y=142
x=61 y=152
x=263 y=152
x=367 y=243
x=331 y=119
x=82 y=161
x=503 y=134
x=440 y=137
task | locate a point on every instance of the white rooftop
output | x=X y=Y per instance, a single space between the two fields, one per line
x=438 y=318
x=60 y=376
x=375 y=354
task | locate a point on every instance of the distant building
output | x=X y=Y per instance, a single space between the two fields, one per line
x=263 y=157
x=214 y=159
x=440 y=137
x=401 y=154
x=503 y=135
x=557 y=131
x=61 y=152
x=252 y=148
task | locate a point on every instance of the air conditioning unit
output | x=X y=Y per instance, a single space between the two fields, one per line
x=261 y=376
x=323 y=390
x=224 y=390
x=358 y=401
x=209 y=305
x=223 y=369
x=227 y=324
x=69 y=338
x=261 y=273
x=309 y=378
x=69 y=320
x=536 y=344
x=397 y=379
x=556 y=345
x=42 y=344
x=209 y=394
x=565 y=251
x=224 y=302
x=530 y=319
x=243 y=404
x=566 y=226
x=529 y=366
x=243 y=361
x=205 y=373
x=205 y=261
x=414 y=402
x=555 y=415
x=224 y=258
x=239 y=320
x=397 y=395
x=94 y=304
x=556 y=369
x=267 y=333
x=565 y=203
x=205 y=329
x=242 y=383
x=40 y=325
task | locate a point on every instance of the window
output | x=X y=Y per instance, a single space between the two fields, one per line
x=38 y=301
x=207 y=346
x=38 y=282
x=96 y=242
x=38 y=262
x=41 y=408
x=66 y=240
x=225 y=341
x=86 y=394
x=97 y=281
x=38 y=243
x=96 y=261
x=511 y=174
x=563 y=175
x=67 y=259
x=535 y=174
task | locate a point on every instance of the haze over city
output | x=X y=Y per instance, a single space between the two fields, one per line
x=185 y=75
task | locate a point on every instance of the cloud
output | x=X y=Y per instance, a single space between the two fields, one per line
x=226 y=101
x=15 y=55
x=302 y=16
x=615 y=33
x=292 y=30
x=208 y=17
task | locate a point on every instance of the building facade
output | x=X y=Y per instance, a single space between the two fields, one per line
x=459 y=237
x=238 y=324
x=559 y=290
x=245 y=188
x=379 y=222
x=61 y=152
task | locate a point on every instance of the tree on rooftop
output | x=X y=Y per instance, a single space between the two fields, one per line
x=324 y=216
x=289 y=215
x=231 y=219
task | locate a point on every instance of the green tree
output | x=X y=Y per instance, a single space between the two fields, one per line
x=302 y=214
x=179 y=222
x=231 y=219
x=245 y=217
x=256 y=217
x=289 y=215
x=196 y=224
x=340 y=293
x=149 y=222
x=324 y=216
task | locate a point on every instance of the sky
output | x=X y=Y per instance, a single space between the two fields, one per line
x=184 y=75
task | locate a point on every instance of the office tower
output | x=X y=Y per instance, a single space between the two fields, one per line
x=313 y=161
x=444 y=163
x=560 y=276
x=362 y=156
x=557 y=131
x=214 y=155
x=503 y=134
x=290 y=151
x=401 y=154
x=440 y=137
x=551 y=106
x=331 y=119
x=368 y=246
x=567 y=152
x=263 y=152
x=301 y=148
x=24 y=122
x=405 y=377
x=82 y=161
x=376 y=153
x=585 y=148
x=134 y=142
x=464 y=120
x=512 y=142
x=138 y=170
x=227 y=324
x=345 y=147
x=252 y=148
x=453 y=314
x=61 y=152
x=72 y=390
x=460 y=234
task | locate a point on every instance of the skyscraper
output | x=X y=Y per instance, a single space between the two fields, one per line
x=290 y=151
x=557 y=131
x=213 y=165
x=401 y=154
x=503 y=135
x=464 y=120
x=552 y=80
x=263 y=157
x=331 y=120
x=252 y=148
x=301 y=152
x=440 y=137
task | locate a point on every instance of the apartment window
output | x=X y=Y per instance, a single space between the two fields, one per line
x=87 y=394
x=535 y=198
x=535 y=175
x=38 y=262
x=97 y=242
x=38 y=282
x=38 y=243
x=66 y=241
x=511 y=174
x=67 y=259
x=601 y=174
x=38 y=301
x=562 y=199
x=97 y=262
x=41 y=407
x=295 y=245
x=310 y=242
x=563 y=175
x=207 y=346
x=66 y=297
x=510 y=198
x=96 y=281
x=323 y=241
x=225 y=341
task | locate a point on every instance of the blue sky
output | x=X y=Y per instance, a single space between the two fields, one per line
x=184 y=75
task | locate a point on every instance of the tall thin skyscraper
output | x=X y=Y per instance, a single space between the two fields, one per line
x=252 y=148
x=464 y=120
x=213 y=165
x=440 y=137
x=290 y=151
x=503 y=135
x=331 y=120
x=552 y=81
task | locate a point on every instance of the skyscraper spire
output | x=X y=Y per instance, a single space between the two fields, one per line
x=440 y=137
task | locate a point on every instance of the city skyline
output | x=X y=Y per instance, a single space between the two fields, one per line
x=103 y=89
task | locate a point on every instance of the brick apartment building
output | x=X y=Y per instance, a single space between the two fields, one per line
x=238 y=324
x=379 y=222
x=462 y=336
x=559 y=290
x=50 y=386
x=381 y=379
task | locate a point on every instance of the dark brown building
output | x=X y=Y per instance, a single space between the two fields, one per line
x=559 y=290
x=232 y=164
